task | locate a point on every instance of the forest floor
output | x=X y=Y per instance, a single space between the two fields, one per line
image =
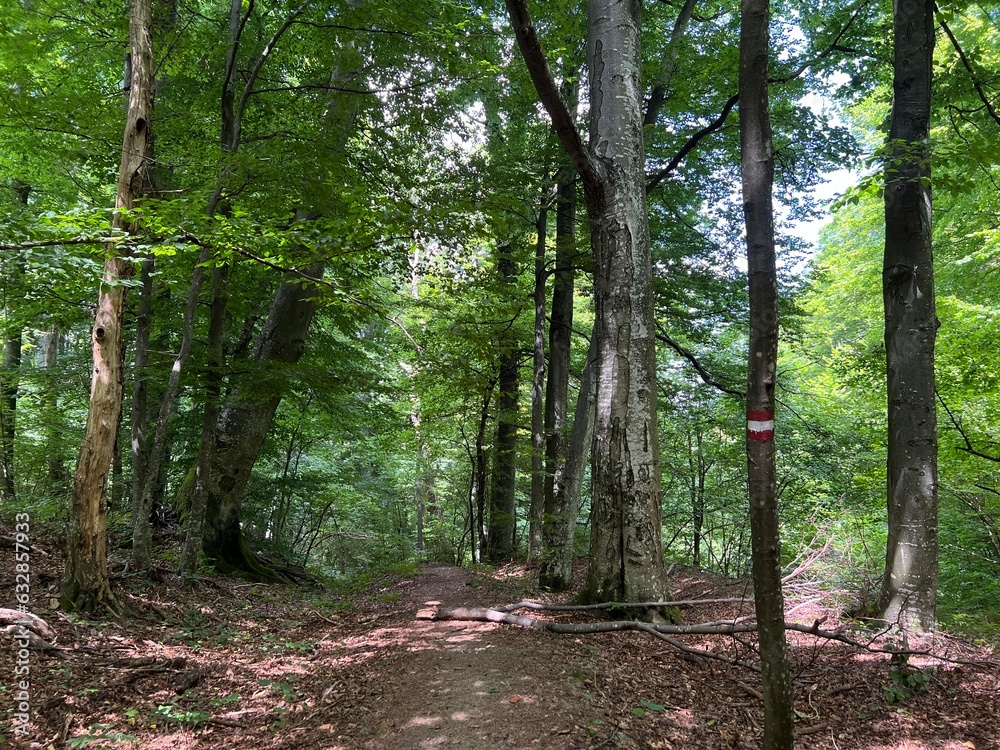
x=234 y=664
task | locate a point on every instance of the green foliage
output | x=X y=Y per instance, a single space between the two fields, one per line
x=905 y=681
x=401 y=144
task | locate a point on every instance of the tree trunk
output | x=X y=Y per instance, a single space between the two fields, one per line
x=909 y=587
x=559 y=532
x=626 y=555
x=85 y=581
x=557 y=388
x=757 y=168
x=244 y=422
x=194 y=535
x=55 y=473
x=503 y=499
x=538 y=388
x=698 y=470
x=140 y=384
x=477 y=484
x=10 y=366
x=143 y=501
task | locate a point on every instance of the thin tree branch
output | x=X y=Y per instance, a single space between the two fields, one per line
x=484 y=614
x=690 y=357
x=693 y=141
x=969 y=448
x=617 y=605
x=719 y=121
x=972 y=75
x=69 y=241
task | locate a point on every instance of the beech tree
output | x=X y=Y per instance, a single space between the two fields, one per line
x=909 y=586
x=626 y=556
x=757 y=167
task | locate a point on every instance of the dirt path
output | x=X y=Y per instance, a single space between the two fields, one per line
x=235 y=664
x=470 y=685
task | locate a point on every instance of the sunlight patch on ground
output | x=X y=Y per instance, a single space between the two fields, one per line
x=423 y=721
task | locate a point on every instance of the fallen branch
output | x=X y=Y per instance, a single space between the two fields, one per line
x=730 y=628
x=617 y=605
x=34 y=623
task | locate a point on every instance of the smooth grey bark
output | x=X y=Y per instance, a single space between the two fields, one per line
x=246 y=418
x=538 y=369
x=559 y=532
x=757 y=170
x=626 y=554
x=909 y=586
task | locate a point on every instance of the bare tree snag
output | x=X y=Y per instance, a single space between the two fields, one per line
x=85 y=581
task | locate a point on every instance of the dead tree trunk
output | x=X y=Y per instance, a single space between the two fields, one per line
x=85 y=580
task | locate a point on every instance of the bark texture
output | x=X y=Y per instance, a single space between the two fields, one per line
x=757 y=167
x=195 y=532
x=503 y=499
x=538 y=369
x=559 y=535
x=909 y=587
x=244 y=422
x=10 y=364
x=557 y=388
x=626 y=555
x=140 y=382
x=85 y=581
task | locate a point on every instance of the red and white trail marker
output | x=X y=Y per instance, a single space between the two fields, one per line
x=760 y=425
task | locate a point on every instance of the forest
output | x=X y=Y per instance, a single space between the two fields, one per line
x=335 y=335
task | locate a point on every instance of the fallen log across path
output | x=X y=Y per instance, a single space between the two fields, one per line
x=666 y=632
